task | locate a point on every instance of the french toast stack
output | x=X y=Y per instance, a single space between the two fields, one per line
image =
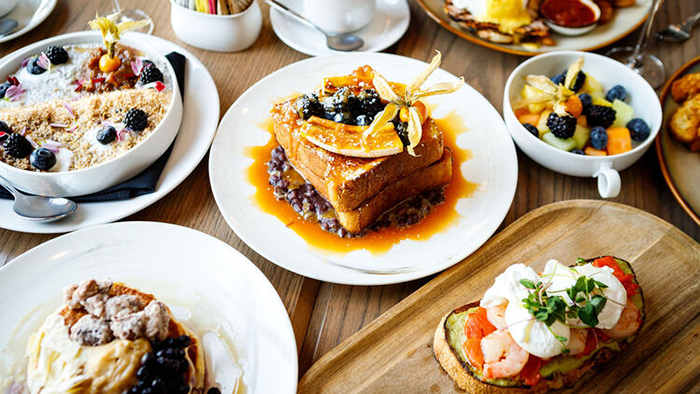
x=362 y=189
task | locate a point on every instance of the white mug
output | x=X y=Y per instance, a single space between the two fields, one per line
x=340 y=16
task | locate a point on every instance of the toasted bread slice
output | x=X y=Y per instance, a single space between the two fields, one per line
x=195 y=351
x=435 y=175
x=349 y=182
x=464 y=374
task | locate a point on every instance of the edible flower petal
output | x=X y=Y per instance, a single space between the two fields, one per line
x=69 y=109
x=31 y=141
x=137 y=66
x=411 y=94
x=43 y=61
x=14 y=92
x=157 y=85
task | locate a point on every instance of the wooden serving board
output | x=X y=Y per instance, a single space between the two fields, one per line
x=394 y=353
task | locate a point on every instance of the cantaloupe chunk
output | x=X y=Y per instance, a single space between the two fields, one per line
x=590 y=151
x=573 y=106
x=533 y=119
x=520 y=112
x=619 y=140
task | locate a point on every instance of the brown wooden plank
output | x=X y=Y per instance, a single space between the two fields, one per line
x=394 y=351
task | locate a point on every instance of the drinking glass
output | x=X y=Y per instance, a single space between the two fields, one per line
x=133 y=15
x=638 y=58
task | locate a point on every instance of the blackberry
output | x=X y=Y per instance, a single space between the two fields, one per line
x=4 y=127
x=150 y=74
x=370 y=102
x=599 y=138
x=561 y=126
x=17 y=146
x=639 y=129
x=34 y=68
x=308 y=106
x=106 y=135
x=577 y=152
x=57 y=55
x=136 y=120
x=532 y=129
x=617 y=92
x=341 y=101
x=579 y=81
x=600 y=115
x=42 y=159
x=586 y=101
x=3 y=89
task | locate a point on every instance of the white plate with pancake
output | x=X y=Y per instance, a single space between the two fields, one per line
x=493 y=168
x=624 y=21
x=199 y=121
x=208 y=285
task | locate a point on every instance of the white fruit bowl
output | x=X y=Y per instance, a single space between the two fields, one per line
x=97 y=178
x=640 y=95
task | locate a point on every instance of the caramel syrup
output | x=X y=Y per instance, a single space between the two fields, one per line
x=441 y=217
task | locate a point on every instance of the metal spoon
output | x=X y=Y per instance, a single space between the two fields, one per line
x=339 y=42
x=7 y=25
x=676 y=32
x=39 y=209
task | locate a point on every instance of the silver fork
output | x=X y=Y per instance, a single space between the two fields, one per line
x=677 y=32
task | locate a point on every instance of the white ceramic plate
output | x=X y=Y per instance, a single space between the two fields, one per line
x=624 y=22
x=199 y=120
x=387 y=27
x=29 y=14
x=195 y=274
x=493 y=167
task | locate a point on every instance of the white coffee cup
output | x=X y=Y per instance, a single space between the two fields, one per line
x=340 y=16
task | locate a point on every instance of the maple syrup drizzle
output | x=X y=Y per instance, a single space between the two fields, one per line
x=441 y=216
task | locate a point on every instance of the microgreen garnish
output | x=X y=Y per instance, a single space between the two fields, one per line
x=586 y=296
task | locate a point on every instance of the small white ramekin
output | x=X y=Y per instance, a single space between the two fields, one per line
x=93 y=179
x=218 y=33
x=640 y=95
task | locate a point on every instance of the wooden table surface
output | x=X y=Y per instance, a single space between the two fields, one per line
x=324 y=314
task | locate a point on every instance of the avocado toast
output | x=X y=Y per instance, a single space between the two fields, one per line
x=539 y=343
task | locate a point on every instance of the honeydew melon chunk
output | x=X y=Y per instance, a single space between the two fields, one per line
x=542 y=124
x=581 y=136
x=623 y=113
x=563 y=144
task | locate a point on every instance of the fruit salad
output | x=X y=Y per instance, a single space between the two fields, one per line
x=573 y=112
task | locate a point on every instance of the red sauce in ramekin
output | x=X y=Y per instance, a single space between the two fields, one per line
x=568 y=13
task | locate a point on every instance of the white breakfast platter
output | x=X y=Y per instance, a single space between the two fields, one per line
x=209 y=286
x=493 y=167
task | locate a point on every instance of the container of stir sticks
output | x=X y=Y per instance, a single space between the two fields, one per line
x=216 y=25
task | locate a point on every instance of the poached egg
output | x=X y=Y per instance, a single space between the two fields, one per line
x=507 y=14
x=534 y=336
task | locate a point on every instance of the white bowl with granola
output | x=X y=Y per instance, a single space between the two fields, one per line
x=77 y=118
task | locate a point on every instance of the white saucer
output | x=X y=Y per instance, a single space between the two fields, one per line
x=493 y=167
x=388 y=26
x=209 y=286
x=29 y=14
x=199 y=121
